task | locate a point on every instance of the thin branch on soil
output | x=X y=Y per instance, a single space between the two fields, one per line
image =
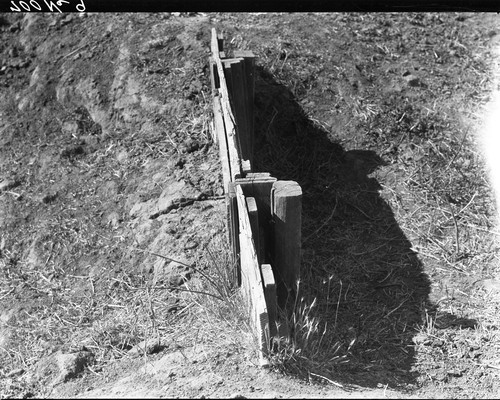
x=215 y=285
x=459 y=149
x=324 y=223
x=326 y=379
x=488 y=365
x=457 y=239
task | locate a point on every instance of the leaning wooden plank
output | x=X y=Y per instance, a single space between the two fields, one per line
x=220 y=132
x=232 y=144
x=251 y=280
x=270 y=295
x=234 y=156
x=286 y=206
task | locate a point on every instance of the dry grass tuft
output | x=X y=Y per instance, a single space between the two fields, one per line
x=214 y=291
x=308 y=348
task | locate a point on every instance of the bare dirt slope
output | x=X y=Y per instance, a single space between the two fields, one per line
x=106 y=157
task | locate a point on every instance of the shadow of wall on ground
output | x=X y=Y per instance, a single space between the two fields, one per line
x=356 y=261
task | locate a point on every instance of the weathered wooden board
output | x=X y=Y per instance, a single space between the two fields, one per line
x=229 y=121
x=251 y=280
x=259 y=187
x=286 y=206
x=236 y=86
x=220 y=133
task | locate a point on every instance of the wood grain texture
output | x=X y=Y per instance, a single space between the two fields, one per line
x=229 y=121
x=220 y=133
x=251 y=280
x=286 y=205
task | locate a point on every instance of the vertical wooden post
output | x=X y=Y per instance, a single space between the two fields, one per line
x=286 y=205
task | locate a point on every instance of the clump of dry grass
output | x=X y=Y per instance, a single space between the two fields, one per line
x=213 y=290
x=218 y=307
x=304 y=345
